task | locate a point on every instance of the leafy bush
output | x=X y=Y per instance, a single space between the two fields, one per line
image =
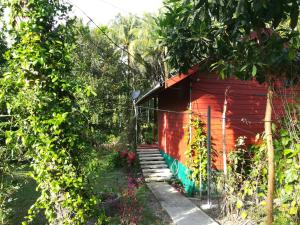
x=244 y=189
x=287 y=199
x=39 y=92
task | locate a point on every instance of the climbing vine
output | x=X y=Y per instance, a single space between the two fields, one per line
x=196 y=154
x=40 y=93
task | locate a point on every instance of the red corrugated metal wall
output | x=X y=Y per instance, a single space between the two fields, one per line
x=245 y=112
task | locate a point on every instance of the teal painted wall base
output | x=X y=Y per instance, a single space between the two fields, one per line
x=180 y=171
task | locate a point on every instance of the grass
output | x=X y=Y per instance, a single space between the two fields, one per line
x=145 y=197
x=105 y=178
x=24 y=198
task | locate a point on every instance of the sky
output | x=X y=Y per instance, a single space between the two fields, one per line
x=103 y=11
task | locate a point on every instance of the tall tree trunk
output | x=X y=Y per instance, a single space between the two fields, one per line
x=130 y=122
x=224 y=132
x=166 y=68
x=270 y=154
x=128 y=64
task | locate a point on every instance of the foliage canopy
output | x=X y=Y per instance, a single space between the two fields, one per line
x=245 y=38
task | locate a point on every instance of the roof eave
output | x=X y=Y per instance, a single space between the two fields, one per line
x=159 y=87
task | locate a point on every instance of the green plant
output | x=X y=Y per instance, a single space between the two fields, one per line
x=196 y=154
x=244 y=187
x=6 y=186
x=287 y=159
x=103 y=220
x=115 y=160
x=39 y=93
x=245 y=190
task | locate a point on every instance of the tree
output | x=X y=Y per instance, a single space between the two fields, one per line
x=138 y=36
x=98 y=63
x=6 y=187
x=137 y=39
x=115 y=60
x=245 y=38
x=3 y=45
x=124 y=32
x=148 y=52
x=40 y=93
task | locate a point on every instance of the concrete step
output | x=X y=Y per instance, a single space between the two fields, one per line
x=149 y=154
x=156 y=170
x=153 y=179
x=157 y=174
x=151 y=166
x=147 y=149
x=145 y=158
x=152 y=162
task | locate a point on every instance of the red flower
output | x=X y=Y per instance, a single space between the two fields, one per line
x=124 y=153
x=131 y=156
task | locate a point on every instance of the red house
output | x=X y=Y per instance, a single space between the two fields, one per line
x=188 y=95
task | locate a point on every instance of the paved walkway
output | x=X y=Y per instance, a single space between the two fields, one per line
x=181 y=210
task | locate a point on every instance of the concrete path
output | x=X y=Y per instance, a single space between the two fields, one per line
x=181 y=210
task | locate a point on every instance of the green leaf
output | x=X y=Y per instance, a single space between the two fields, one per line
x=243 y=68
x=292 y=54
x=287 y=151
x=293 y=210
x=9 y=138
x=244 y=214
x=239 y=204
x=288 y=189
x=285 y=141
x=291 y=175
x=254 y=70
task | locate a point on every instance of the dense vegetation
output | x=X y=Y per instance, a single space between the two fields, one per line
x=47 y=125
x=245 y=188
x=65 y=91
x=65 y=99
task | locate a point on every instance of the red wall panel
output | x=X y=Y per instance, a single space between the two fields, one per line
x=245 y=109
x=173 y=123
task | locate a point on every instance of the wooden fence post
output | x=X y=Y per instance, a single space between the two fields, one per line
x=209 y=155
